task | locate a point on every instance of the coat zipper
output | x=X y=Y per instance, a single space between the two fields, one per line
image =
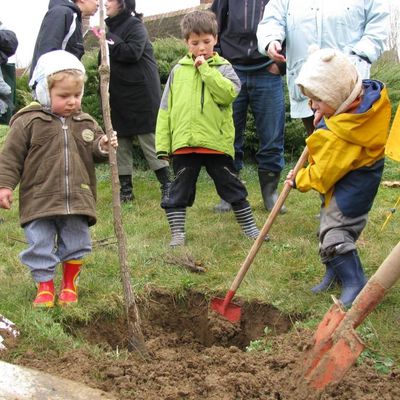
x=66 y=165
x=202 y=97
x=245 y=15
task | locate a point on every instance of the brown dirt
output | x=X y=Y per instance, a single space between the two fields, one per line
x=196 y=354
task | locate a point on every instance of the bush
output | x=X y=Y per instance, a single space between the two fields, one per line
x=91 y=102
x=23 y=94
x=168 y=51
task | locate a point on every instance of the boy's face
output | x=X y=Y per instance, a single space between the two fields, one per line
x=87 y=7
x=322 y=108
x=66 y=96
x=201 y=45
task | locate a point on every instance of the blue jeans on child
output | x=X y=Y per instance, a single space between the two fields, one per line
x=54 y=240
x=264 y=93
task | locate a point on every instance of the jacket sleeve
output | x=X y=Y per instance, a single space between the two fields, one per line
x=377 y=24
x=130 y=48
x=163 y=126
x=13 y=154
x=222 y=82
x=8 y=44
x=98 y=155
x=53 y=30
x=273 y=25
x=329 y=161
x=220 y=8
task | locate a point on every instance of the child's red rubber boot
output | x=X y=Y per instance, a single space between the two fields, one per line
x=45 y=295
x=69 y=290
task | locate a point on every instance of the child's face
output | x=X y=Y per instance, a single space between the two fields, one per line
x=322 y=108
x=201 y=45
x=66 y=96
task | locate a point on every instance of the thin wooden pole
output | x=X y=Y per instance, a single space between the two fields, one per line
x=136 y=339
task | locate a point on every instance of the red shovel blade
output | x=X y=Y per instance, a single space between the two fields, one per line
x=337 y=361
x=322 y=341
x=232 y=312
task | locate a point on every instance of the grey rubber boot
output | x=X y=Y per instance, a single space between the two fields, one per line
x=244 y=217
x=163 y=177
x=269 y=183
x=125 y=193
x=222 y=206
x=349 y=270
x=176 y=220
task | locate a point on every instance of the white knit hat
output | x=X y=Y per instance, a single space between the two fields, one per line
x=329 y=75
x=48 y=64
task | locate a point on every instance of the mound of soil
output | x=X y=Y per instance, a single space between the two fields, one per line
x=196 y=354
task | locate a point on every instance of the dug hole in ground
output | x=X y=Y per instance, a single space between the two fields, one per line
x=197 y=354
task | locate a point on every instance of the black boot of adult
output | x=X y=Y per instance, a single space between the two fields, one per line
x=269 y=184
x=163 y=177
x=126 y=193
x=349 y=270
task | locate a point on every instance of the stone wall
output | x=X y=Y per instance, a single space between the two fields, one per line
x=168 y=24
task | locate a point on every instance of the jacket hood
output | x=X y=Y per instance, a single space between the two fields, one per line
x=368 y=125
x=32 y=107
x=66 y=3
x=216 y=59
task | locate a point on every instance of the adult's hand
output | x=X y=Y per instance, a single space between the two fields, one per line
x=274 y=51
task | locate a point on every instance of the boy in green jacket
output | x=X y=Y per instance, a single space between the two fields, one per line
x=195 y=127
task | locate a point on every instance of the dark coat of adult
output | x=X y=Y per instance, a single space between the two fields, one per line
x=135 y=89
x=61 y=29
x=237 y=27
x=8 y=44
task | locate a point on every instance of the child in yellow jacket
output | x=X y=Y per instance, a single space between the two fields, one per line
x=346 y=160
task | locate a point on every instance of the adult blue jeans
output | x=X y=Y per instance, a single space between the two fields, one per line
x=263 y=92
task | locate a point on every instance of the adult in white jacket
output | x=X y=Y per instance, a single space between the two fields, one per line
x=358 y=28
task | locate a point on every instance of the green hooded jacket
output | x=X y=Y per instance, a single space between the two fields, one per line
x=196 y=107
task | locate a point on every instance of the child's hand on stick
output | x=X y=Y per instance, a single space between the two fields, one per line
x=104 y=142
x=290 y=178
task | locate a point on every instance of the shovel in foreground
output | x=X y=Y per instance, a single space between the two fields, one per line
x=225 y=307
x=336 y=345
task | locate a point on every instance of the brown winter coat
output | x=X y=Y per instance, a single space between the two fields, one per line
x=54 y=163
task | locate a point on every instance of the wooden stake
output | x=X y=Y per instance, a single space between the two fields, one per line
x=136 y=340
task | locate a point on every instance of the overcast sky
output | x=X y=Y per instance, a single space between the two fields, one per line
x=30 y=14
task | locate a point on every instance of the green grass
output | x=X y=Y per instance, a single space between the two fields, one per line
x=282 y=273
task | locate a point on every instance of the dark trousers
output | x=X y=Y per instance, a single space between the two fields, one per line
x=219 y=167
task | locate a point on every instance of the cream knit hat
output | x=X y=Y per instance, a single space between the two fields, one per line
x=330 y=76
x=48 y=64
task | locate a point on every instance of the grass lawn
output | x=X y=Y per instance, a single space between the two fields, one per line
x=282 y=274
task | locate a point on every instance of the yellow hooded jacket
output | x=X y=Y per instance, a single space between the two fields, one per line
x=347 y=142
x=393 y=144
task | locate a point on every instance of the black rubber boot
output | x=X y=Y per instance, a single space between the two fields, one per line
x=222 y=206
x=327 y=281
x=349 y=270
x=176 y=220
x=163 y=177
x=269 y=183
x=125 y=193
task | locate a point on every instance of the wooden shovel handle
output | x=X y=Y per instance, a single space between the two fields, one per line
x=268 y=223
x=375 y=289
